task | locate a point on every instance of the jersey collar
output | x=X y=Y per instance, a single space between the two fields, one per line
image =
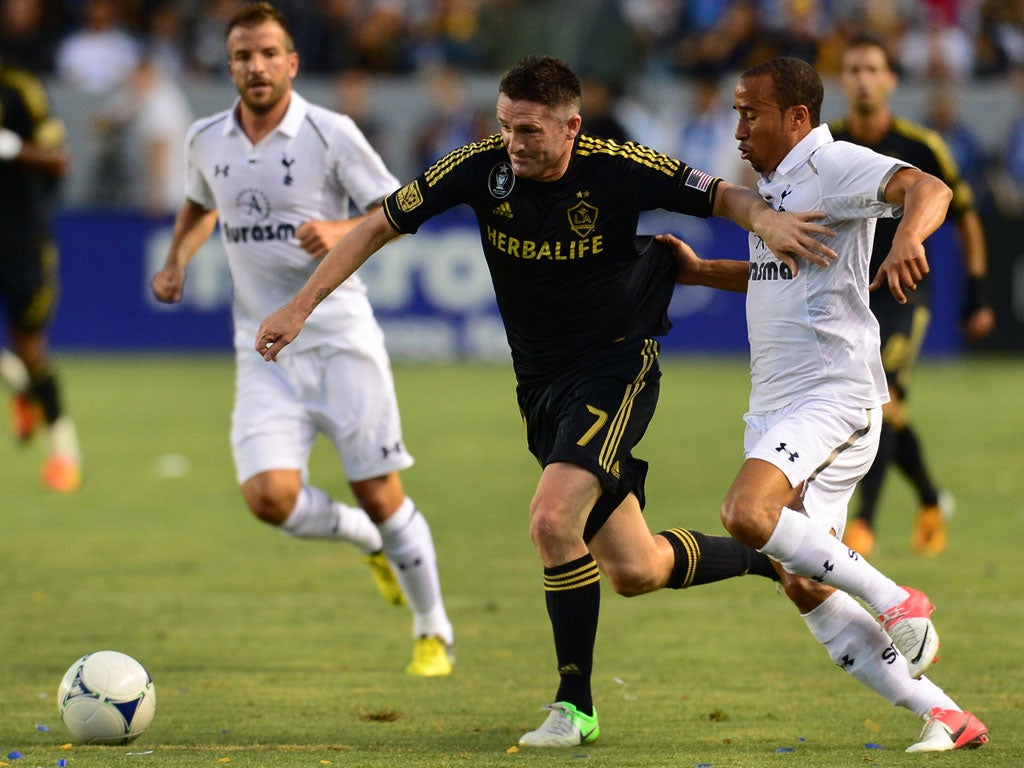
x=804 y=148
x=289 y=126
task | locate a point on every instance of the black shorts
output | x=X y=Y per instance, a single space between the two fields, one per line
x=902 y=333
x=28 y=284
x=594 y=420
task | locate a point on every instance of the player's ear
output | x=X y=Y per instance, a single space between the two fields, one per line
x=798 y=116
x=573 y=126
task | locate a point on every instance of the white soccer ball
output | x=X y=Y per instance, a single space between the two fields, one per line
x=106 y=697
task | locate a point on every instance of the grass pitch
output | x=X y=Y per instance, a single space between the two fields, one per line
x=267 y=651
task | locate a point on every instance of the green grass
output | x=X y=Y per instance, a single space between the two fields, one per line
x=268 y=651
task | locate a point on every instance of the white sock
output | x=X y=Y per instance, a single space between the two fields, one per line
x=13 y=372
x=856 y=642
x=410 y=550
x=64 y=439
x=318 y=516
x=806 y=550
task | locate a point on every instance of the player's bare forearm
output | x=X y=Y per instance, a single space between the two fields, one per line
x=280 y=328
x=925 y=200
x=971 y=235
x=192 y=226
x=723 y=274
x=790 y=236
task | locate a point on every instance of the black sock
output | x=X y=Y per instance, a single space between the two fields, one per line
x=573 y=596
x=870 y=486
x=703 y=559
x=910 y=459
x=44 y=391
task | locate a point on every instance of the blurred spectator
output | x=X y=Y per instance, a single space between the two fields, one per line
x=363 y=34
x=355 y=100
x=942 y=116
x=720 y=36
x=98 y=56
x=885 y=20
x=1007 y=176
x=206 y=53
x=28 y=34
x=166 y=42
x=590 y=37
x=452 y=122
x=598 y=110
x=704 y=135
x=794 y=27
x=655 y=26
x=147 y=121
x=937 y=45
x=1001 y=36
x=447 y=33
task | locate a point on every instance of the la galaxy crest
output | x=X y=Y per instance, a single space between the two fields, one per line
x=582 y=218
x=501 y=181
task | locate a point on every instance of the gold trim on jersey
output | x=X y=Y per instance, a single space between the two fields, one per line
x=853 y=438
x=638 y=153
x=610 y=448
x=437 y=171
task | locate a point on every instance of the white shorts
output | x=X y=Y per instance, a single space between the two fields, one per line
x=347 y=394
x=826 y=446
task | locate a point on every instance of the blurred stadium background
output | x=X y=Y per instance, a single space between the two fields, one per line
x=420 y=77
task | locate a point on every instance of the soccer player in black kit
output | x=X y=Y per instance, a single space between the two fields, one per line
x=867 y=78
x=581 y=305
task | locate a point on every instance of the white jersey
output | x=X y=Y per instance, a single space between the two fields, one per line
x=815 y=333
x=310 y=167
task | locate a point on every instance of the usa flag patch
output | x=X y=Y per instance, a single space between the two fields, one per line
x=698 y=180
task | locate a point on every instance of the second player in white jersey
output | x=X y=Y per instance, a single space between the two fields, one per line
x=313 y=166
x=817 y=385
x=281 y=175
x=814 y=332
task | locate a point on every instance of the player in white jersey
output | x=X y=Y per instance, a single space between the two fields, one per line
x=280 y=173
x=817 y=386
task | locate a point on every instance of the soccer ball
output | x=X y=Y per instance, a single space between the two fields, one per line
x=106 y=697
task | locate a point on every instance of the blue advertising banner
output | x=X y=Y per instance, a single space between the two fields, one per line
x=431 y=292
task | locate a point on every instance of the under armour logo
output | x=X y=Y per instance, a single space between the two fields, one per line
x=287 y=169
x=793 y=455
x=386 y=451
x=220 y=170
x=828 y=569
x=846 y=662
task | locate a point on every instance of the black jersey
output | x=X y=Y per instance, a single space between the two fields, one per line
x=924 y=149
x=26 y=196
x=568 y=278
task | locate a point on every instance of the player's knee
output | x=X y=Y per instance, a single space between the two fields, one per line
x=741 y=519
x=549 y=529
x=631 y=579
x=270 y=500
x=380 y=497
